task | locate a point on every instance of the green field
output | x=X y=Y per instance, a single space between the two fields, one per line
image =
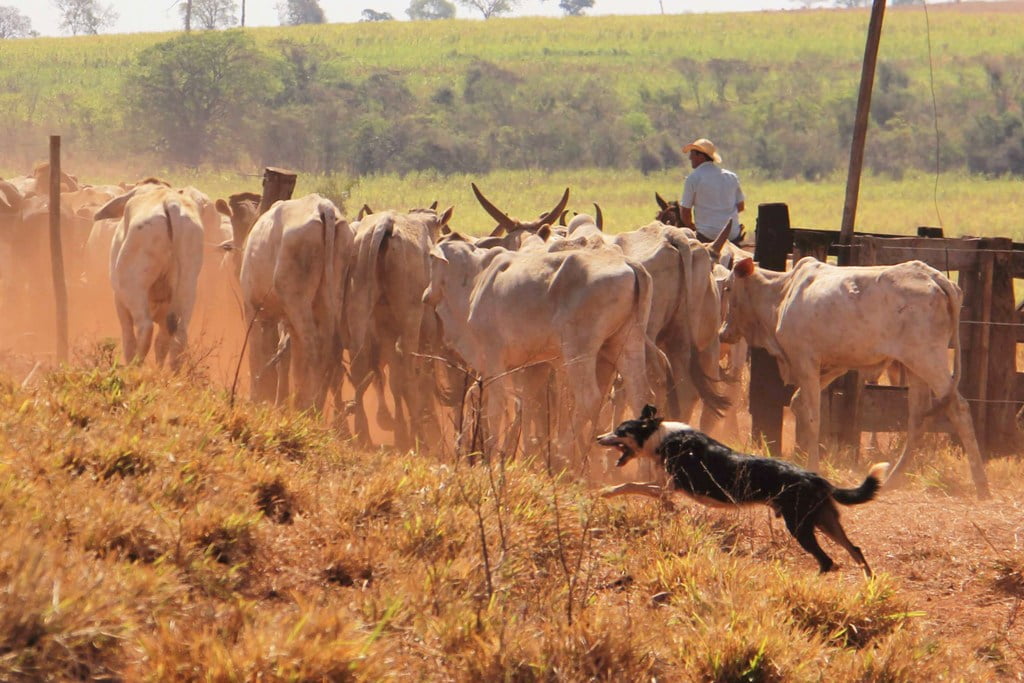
x=629 y=51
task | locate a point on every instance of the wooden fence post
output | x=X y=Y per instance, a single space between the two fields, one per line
x=1002 y=413
x=278 y=183
x=768 y=393
x=60 y=292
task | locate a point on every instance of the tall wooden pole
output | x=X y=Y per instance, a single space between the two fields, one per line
x=60 y=292
x=243 y=13
x=852 y=383
x=860 y=129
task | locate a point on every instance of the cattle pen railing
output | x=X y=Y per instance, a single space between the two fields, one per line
x=990 y=329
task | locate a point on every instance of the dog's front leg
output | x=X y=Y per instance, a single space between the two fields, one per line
x=649 y=489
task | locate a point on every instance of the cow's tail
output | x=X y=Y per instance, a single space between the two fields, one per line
x=954 y=299
x=365 y=280
x=331 y=284
x=172 y=213
x=867 y=490
x=643 y=295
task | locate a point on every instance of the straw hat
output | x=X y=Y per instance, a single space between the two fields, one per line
x=706 y=146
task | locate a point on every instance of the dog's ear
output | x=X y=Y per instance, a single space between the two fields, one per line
x=648 y=412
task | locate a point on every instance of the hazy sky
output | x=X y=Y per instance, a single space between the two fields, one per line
x=162 y=15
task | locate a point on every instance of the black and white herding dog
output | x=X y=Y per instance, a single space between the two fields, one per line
x=715 y=475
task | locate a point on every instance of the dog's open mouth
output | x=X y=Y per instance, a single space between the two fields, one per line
x=613 y=441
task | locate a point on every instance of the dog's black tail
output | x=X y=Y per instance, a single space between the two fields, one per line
x=867 y=490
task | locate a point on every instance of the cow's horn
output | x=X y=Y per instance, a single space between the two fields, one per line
x=555 y=212
x=599 y=219
x=503 y=220
x=661 y=201
x=716 y=246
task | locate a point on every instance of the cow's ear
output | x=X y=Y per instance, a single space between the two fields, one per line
x=114 y=208
x=545 y=232
x=438 y=254
x=223 y=208
x=648 y=412
x=446 y=215
x=744 y=268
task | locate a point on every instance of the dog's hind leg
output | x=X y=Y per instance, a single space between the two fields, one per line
x=802 y=528
x=828 y=522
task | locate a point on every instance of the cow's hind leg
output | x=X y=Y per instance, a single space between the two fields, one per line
x=935 y=374
x=124 y=316
x=136 y=324
x=917 y=406
x=161 y=345
x=800 y=523
x=361 y=374
x=262 y=347
x=960 y=416
x=828 y=522
x=308 y=358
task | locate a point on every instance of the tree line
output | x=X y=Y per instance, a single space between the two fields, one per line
x=289 y=105
x=91 y=17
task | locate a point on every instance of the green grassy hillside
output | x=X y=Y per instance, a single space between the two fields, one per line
x=629 y=51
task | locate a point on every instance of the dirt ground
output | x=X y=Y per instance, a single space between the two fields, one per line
x=956 y=561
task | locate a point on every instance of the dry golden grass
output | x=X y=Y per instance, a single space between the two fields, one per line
x=151 y=531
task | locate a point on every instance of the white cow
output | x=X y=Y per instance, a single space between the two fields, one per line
x=584 y=312
x=155 y=258
x=820 y=321
x=389 y=326
x=293 y=267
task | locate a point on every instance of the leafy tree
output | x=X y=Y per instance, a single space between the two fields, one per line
x=491 y=8
x=296 y=12
x=431 y=9
x=575 y=8
x=14 y=24
x=189 y=95
x=209 y=14
x=995 y=144
x=374 y=15
x=87 y=17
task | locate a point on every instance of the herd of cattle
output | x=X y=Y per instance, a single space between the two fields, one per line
x=532 y=328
